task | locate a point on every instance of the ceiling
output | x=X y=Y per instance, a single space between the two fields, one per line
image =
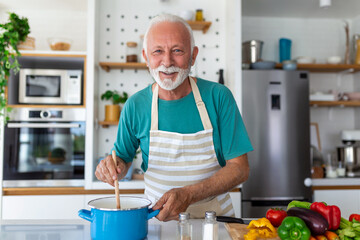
x=345 y=9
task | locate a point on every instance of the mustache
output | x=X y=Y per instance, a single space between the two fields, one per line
x=167 y=70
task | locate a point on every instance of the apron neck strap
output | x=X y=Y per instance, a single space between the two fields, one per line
x=199 y=104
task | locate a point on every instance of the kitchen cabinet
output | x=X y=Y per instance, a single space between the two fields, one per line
x=65 y=206
x=347 y=200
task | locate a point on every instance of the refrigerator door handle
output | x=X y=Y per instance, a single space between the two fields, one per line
x=275 y=198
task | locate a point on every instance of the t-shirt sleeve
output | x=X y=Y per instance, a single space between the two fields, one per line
x=126 y=143
x=234 y=138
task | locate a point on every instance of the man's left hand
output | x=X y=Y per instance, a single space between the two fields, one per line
x=172 y=203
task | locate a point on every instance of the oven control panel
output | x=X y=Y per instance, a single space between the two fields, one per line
x=45 y=114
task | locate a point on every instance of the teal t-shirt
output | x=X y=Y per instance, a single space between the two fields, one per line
x=182 y=116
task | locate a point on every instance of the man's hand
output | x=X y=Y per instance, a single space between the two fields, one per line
x=172 y=203
x=107 y=172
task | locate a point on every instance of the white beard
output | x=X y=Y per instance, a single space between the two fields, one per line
x=167 y=83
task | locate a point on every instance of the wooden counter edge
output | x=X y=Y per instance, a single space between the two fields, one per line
x=70 y=191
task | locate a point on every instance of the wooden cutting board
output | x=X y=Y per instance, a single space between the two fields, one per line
x=237 y=231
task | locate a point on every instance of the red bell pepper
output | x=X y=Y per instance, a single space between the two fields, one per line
x=354 y=216
x=331 y=213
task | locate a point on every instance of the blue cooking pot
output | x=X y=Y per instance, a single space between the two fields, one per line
x=129 y=222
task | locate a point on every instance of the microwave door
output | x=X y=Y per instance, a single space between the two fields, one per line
x=41 y=86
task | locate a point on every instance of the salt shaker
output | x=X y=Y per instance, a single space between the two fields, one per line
x=210 y=226
x=184 y=227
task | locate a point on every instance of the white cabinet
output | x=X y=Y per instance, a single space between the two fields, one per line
x=347 y=200
x=42 y=207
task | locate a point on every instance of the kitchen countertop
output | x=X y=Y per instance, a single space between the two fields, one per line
x=80 y=229
x=335 y=183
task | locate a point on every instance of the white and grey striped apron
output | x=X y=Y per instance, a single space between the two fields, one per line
x=177 y=160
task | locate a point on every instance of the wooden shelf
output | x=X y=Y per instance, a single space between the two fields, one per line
x=325 y=67
x=121 y=65
x=199 y=25
x=106 y=124
x=335 y=103
x=107 y=66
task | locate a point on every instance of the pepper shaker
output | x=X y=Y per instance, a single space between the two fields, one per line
x=184 y=227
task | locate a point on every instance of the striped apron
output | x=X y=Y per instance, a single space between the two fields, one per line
x=177 y=160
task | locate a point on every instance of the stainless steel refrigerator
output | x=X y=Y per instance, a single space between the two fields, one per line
x=275 y=109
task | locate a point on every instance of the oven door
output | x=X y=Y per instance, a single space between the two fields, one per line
x=44 y=150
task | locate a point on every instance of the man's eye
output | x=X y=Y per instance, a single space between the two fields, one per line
x=157 y=51
x=177 y=50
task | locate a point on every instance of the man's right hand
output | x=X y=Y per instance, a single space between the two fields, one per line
x=107 y=172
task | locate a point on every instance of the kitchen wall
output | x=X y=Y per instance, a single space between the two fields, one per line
x=55 y=18
x=123 y=21
x=320 y=39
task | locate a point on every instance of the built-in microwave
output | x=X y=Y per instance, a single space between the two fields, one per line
x=50 y=86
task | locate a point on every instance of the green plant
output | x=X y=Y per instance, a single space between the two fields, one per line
x=11 y=33
x=115 y=97
x=58 y=153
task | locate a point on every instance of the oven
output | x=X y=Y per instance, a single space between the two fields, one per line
x=44 y=147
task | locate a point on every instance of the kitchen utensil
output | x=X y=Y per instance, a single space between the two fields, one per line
x=229 y=219
x=289 y=65
x=251 y=51
x=284 y=49
x=237 y=231
x=117 y=194
x=129 y=222
x=305 y=60
x=60 y=44
x=334 y=59
x=263 y=65
x=349 y=155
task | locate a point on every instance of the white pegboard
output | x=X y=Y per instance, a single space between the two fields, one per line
x=122 y=21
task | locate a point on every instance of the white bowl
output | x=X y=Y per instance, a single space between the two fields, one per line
x=334 y=60
x=305 y=60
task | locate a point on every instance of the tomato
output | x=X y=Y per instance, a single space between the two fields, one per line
x=276 y=216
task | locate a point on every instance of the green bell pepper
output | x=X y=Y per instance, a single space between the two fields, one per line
x=293 y=228
x=301 y=204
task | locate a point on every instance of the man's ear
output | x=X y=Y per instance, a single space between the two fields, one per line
x=194 y=55
x=144 y=56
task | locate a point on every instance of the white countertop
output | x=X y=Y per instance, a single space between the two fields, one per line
x=335 y=182
x=80 y=230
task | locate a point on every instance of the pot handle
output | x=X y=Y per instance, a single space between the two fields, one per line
x=85 y=214
x=152 y=213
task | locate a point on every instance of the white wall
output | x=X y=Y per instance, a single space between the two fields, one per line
x=47 y=19
x=319 y=39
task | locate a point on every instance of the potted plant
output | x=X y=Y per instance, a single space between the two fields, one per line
x=11 y=33
x=112 y=112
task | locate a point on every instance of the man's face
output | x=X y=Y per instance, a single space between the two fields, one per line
x=169 y=54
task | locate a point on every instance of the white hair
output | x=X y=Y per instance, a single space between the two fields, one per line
x=168 y=18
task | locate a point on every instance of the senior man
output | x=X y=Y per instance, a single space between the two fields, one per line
x=190 y=130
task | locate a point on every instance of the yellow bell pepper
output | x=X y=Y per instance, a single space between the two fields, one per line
x=260 y=228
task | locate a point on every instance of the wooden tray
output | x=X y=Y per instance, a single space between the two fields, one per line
x=237 y=231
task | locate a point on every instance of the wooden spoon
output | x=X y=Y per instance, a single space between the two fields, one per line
x=117 y=193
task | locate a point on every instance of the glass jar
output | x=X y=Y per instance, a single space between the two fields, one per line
x=210 y=227
x=131 y=52
x=199 y=15
x=184 y=227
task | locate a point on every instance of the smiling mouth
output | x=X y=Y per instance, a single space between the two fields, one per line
x=168 y=73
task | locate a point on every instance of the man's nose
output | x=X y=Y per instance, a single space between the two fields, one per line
x=167 y=60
